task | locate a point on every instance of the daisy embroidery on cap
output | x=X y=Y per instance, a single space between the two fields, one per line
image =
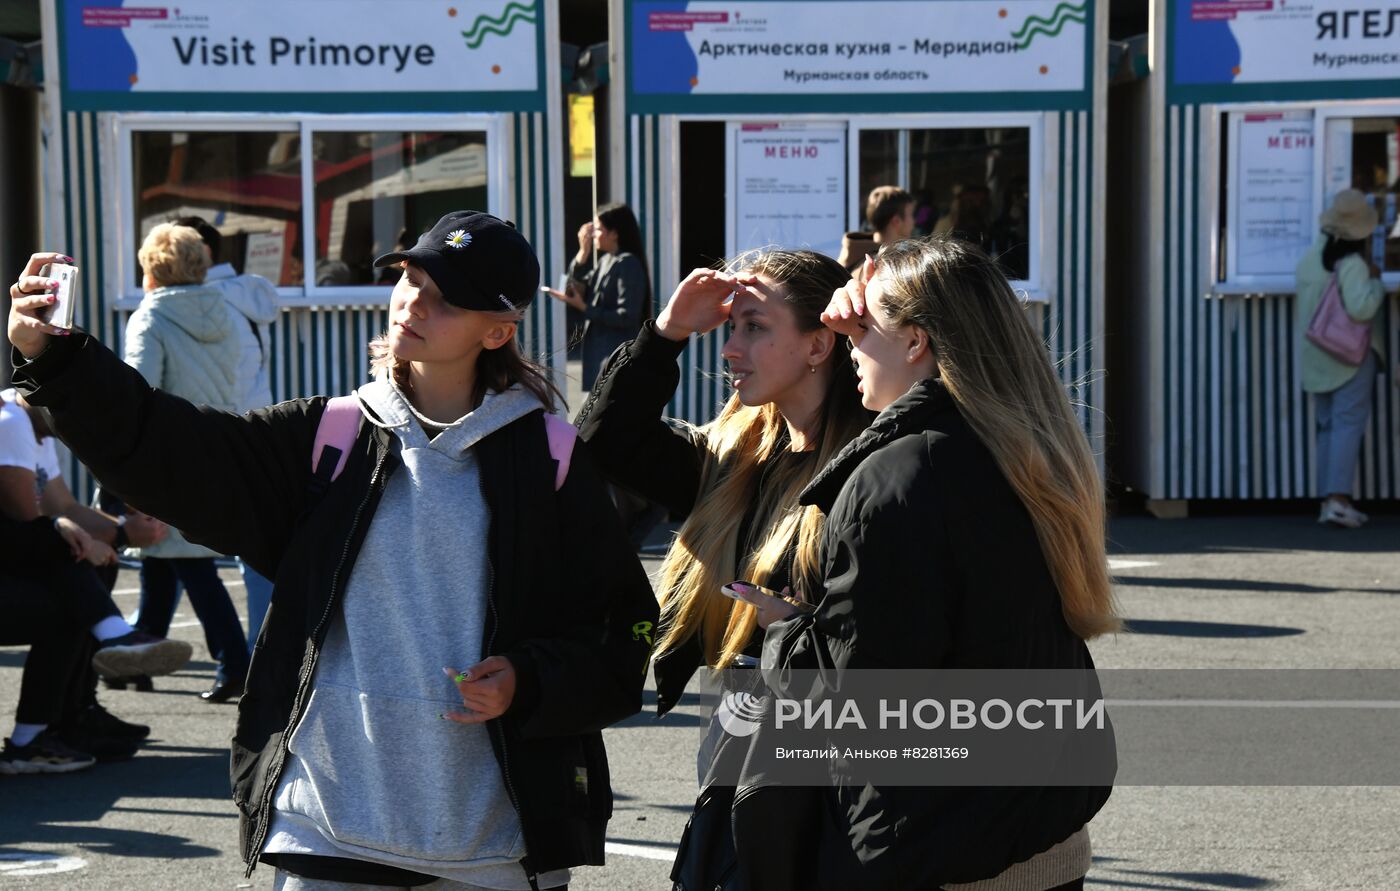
x=459 y=238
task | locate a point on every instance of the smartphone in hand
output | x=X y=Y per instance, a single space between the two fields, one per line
x=60 y=314
x=748 y=592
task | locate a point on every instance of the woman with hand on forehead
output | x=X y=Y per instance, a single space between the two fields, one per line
x=734 y=483
x=965 y=530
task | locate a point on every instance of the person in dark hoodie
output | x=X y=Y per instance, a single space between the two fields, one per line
x=734 y=482
x=457 y=612
x=977 y=448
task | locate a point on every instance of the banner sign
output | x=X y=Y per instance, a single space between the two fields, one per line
x=1235 y=42
x=120 y=55
x=684 y=51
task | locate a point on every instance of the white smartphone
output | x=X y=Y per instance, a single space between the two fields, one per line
x=60 y=315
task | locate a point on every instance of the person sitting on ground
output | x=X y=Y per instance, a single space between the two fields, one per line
x=890 y=213
x=53 y=604
x=60 y=608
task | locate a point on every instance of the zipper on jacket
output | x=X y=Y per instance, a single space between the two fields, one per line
x=493 y=726
x=304 y=683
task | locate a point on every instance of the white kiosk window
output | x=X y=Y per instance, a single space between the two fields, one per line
x=1361 y=150
x=975 y=178
x=1268 y=218
x=307 y=202
x=1281 y=167
x=245 y=182
x=376 y=190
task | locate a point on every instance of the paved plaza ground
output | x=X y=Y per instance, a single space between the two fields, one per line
x=1221 y=592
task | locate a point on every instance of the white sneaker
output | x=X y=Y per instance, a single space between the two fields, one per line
x=1335 y=513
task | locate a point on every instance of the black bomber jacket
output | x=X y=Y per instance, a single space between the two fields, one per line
x=931 y=561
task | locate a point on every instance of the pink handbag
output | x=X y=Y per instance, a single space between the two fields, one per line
x=1336 y=333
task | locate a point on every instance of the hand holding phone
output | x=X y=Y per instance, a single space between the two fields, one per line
x=773 y=606
x=60 y=315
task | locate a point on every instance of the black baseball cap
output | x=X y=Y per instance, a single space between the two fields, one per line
x=478 y=261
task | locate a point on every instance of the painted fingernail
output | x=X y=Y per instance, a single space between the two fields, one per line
x=67 y=259
x=464 y=676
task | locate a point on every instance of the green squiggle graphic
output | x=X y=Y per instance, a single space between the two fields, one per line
x=1053 y=20
x=502 y=25
x=1049 y=32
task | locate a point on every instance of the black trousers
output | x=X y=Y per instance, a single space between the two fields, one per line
x=53 y=610
x=223 y=630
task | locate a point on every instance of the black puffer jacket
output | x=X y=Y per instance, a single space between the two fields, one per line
x=571 y=605
x=931 y=561
x=640 y=450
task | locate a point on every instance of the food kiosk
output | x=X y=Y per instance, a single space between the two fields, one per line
x=314 y=135
x=768 y=121
x=1261 y=111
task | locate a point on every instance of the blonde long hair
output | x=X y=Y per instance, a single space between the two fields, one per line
x=738 y=443
x=998 y=370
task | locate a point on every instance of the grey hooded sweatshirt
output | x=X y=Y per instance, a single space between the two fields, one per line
x=374 y=772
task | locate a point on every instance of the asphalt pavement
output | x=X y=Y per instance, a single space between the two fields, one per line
x=1236 y=592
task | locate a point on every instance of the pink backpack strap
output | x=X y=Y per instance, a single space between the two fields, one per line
x=336 y=431
x=561 y=435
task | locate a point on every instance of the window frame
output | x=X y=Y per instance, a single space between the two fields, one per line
x=1390 y=279
x=1228 y=116
x=1032 y=287
x=1031 y=290
x=121 y=273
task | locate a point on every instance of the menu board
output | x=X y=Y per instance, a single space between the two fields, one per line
x=1273 y=192
x=789 y=186
x=264 y=255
